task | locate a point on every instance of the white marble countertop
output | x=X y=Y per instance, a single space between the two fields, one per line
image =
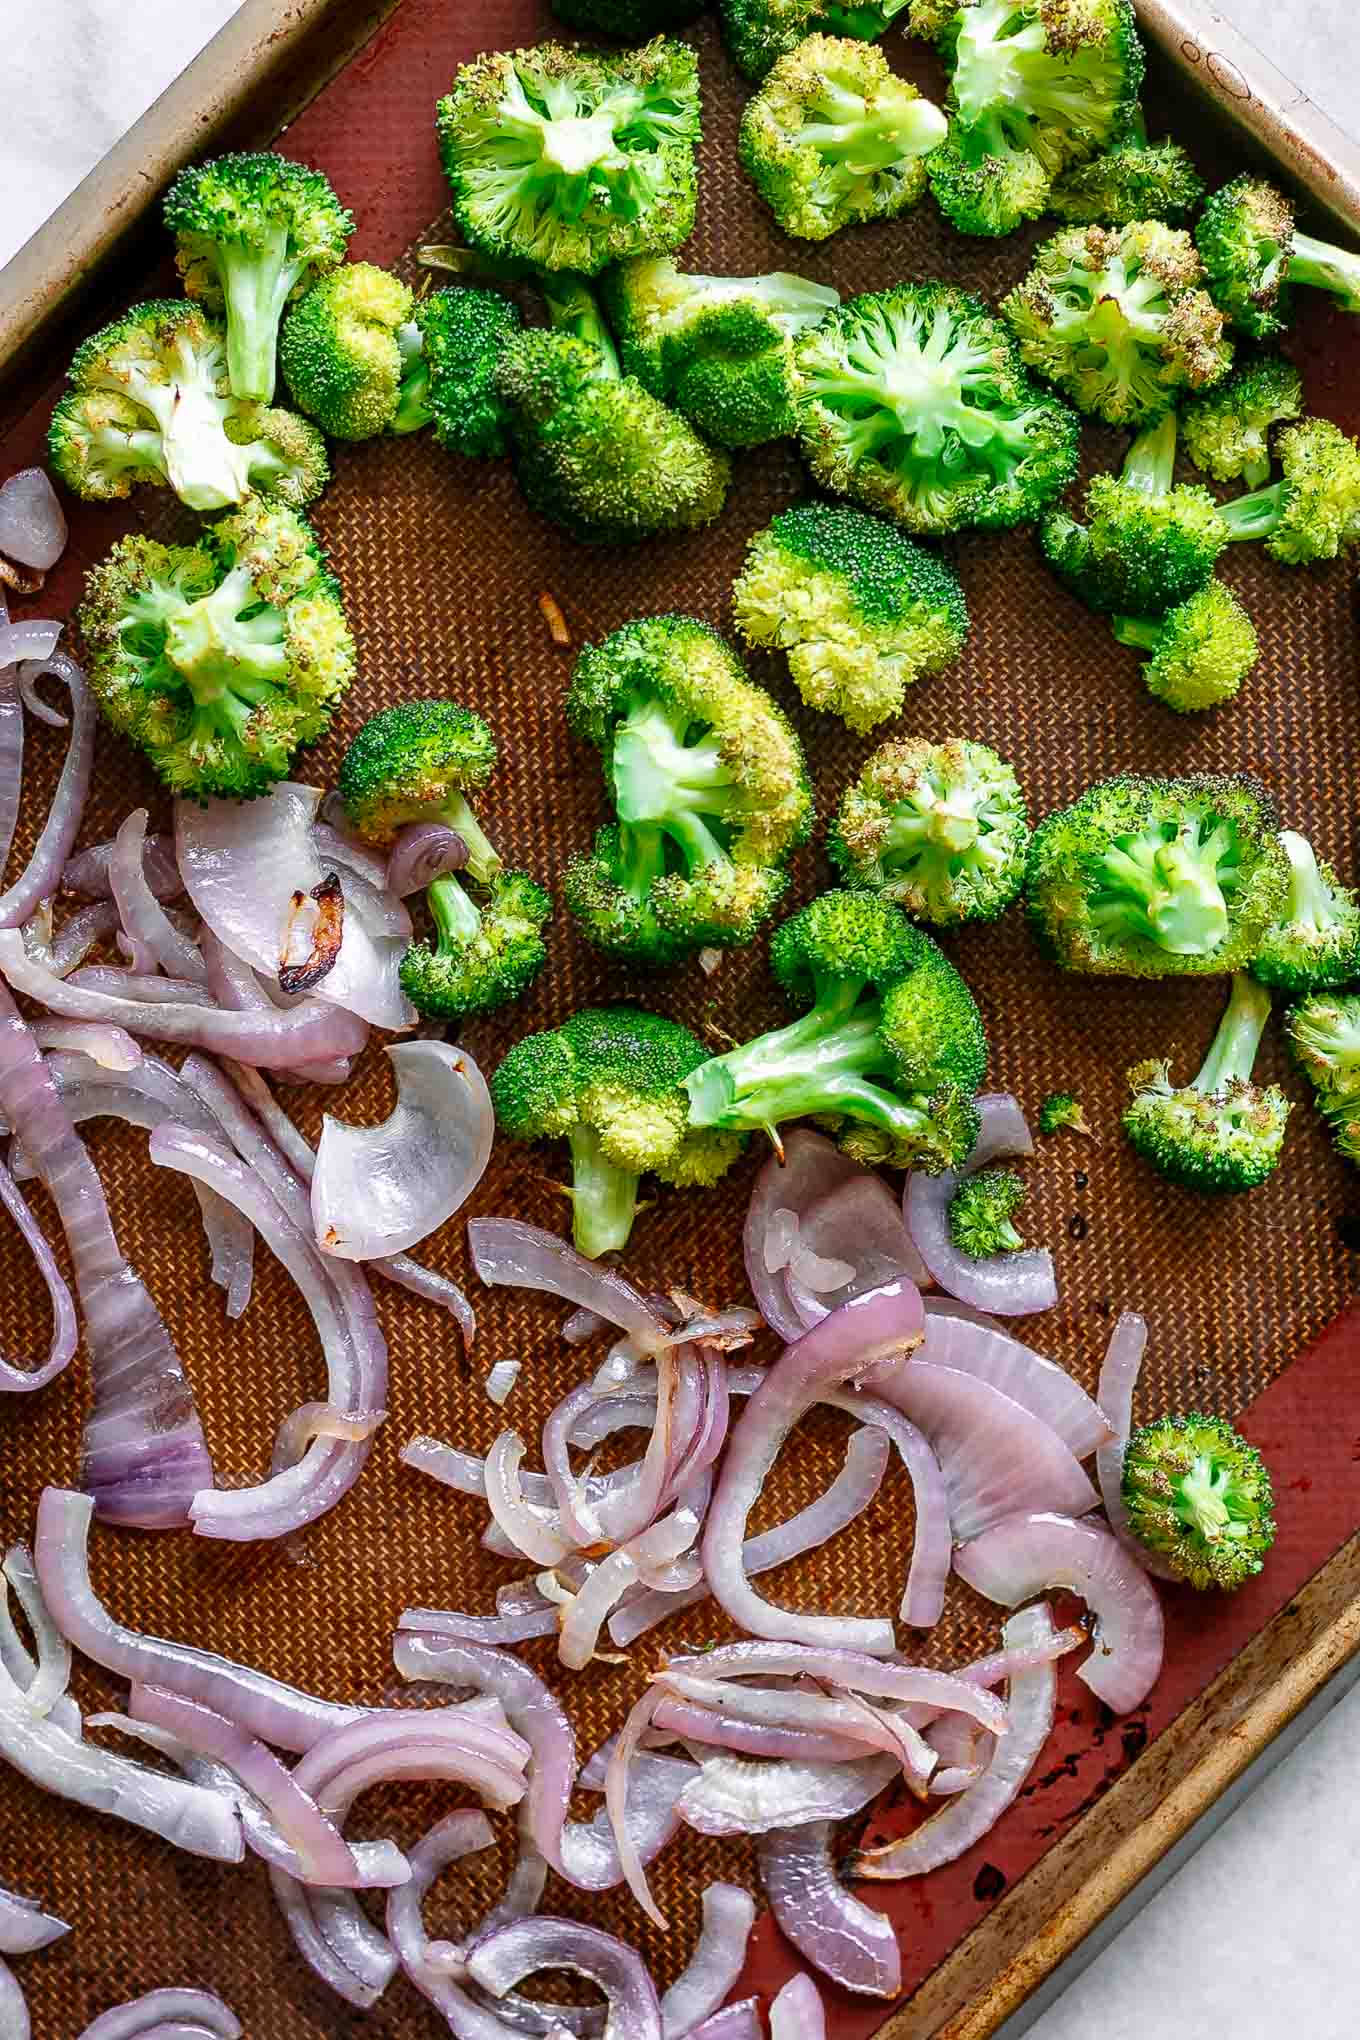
x=1255 y=1936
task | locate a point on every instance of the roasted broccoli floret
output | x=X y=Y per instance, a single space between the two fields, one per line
x=1222 y=1132
x=147 y=401
x=1158 y=877
x=1324 y=1034
x=939 y=828
x=1254 y=254
x=340 y=351
x=252 y=232
x=1035 y=85
x=218 y=659
x=834 y=138
x=1313 y=512
x=982 y=1213
x=1201 y=651
x=759 y=32
x=630 y=20
x=709 y=787
x=450 y=352
x=913 y=401
x=606 y=1082
x=889 y=1050
x=570 y=159
x=1315 y=944
x=859 y=611
x=716 y=347
x=1134 y=180
x=1117 y=319
x=1061 y=1112
x=419 y=761
x=1226 y=432
x=1200 y=1497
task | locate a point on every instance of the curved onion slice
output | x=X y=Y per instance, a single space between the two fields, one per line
x=41 y=876
x=734 y=2022
x=502 y=1959
x=25 y=1927
x=87 y=873
x=811 y=1166
x=113 y=1048
x=859 y=1226
x=1119 y=1373
x=32 y=521
x=508 y=1253
x=465 y=1833
x=717 y=1961
x=847 y=1940
x=377 y=1190
x=176 y=2014
x=1010 y=1285
x=34 y=638
x=145 y=921
x=22 y=1380
x=1046 y=1390
x=797 y=2013
x=1024 y=1555
x=741 y=1796
x=422 y=852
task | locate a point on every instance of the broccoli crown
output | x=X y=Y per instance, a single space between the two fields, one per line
x=1061 y=1112
x=1200 y=1497
x=220 y=658
x=1324 y=1034
x=571 y=159
x=1135 y=180
x=449 y=375
x=1117 y=319
x=147 y=402
x=486 y=951
x=598 y=453
x=859 y=610
x=759 y=33
x=1201 y=651
x=1226 y=432
x=630 y=20
x=889 y=1050
x=1313 y=512
x=251 y=233
x=833 y=138
x=1222 y=1132
x=1147 y=544
x=1245 y=236
x=417 y=761
x=339 y=351
x=1158 y=877
x=913 y=401
x=982 y=1213
x=939 y=828
x=1315 y=944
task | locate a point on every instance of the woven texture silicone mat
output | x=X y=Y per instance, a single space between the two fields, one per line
x=442 y=566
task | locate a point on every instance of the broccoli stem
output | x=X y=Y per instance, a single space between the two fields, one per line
x=413 y=404
x=257 y=279
x=456 y=918
x=603 y=1196
x=572 y=309
x=218 y=654
x=1254 y=516
x=1326 y=268
x=1232 y=1054
x=1142 y=632
x=484 y=860
x=1310 y=904
x=1150 y=464
x=662 y=782
x=1200 y=1499
x=1175 y=885
x=852 y=133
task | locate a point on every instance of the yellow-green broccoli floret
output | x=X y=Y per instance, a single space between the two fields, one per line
x=1254 y=255
x=1226 y=432
x=1313 y=512
x=1201 y=651
x=1135 y=180
x=451 y=350
x=759 y=33
x=340 y=350
x=1062 y=1112
x=1200 y=1497
x=1315 y=944
x=1324 y=1034
x=1221 y=1133
x=982 y=1214
x=938 y=828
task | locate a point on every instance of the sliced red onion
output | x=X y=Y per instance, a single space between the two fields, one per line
x=61 y=1347
x=1119 y=1373
x=65 y=952
x=811 y=1166
x=339 y=1943
x=366 y=888
x=43 y=1684
x=737 y=1796
x=832 y=1929
x=41 y=876
x=849 y=1670
x=33 y=639
x=140 y=985
x=717 y=1727
x=237 y=989
x=581 y=1326
x=30 y=672
x=422 y=852
x=145 y=921
x=719 y=1956
x=857 y=1226
x=503 y=1959
x=797 y=2013
x=508 y=1253
x=510 y=1627
x=734 y=2022
x=11 y=756
x=1010 y=1285
x=624 y=1568
x=112 y=1048
x=32 y=521
x=457 y=1835
x=88 y=871
x=167 y=2015
x=1046 y=1390
x=1026 y=1554
x=500 y=1381
x=25 y=1927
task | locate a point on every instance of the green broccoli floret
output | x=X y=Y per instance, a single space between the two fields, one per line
x=1226 y=432
x=450 y=353
x=606 y=1082
x=1035 y=85
x=147 y=402
x=1254 y=254
x=1158 y=877
x=1118 y=320
x=1313 y=512
x=630 y=20
x=218 y=659
x=570 y=159
x=760 y=32
x=1222 y=1132
x=982 y=1212
x=913 y=401
x=1200 y=1497
x=1135 y=180
x=709 y=786
x=1202 y=650
x=252 y=232
x=859 y=610
x=1324 y=1034
x=938 y=828
x=1062 y=1112
x=833 y=138
x=340 y=352
x=1315 y=944
x=419 y=761
x=889 y=1050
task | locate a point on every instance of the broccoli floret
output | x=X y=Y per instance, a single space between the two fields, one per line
x=759 y=33
x=1313 y=512
x=1158 y=877
x=147 y=403
x=1202 y=650
x=606 y=1082
x=252 y=232
x=859 y=611
x=709 y=786
x=1061 y=1112
x=339 y=351
x=571 y=159
x=1135 y=180
x=218 y=659
x=1117 y=319
x=1222 y=1132
x=450 y=353
x=1324 y=1034
x=889 y=1051
x=1226 y=432
x=1254 y=254
x=630 y=20
x=982 y=1212
x=913 y=401
x=939 y=828
x=1200 y=1497
x=834 y=138
x=1315 y=944
x=419 y=761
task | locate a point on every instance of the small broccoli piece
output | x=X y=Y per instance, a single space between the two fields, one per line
x=759 y=33
x=1135 y=180
x=218 y=659
x=889 y=1050
x=146 y=402
x=450 y=353
x=982 y=1211
x=1118 y=320
x=913 y=401
x=1035 y=86
x=419 y=761
x=1061 y=1112
x=630 y=20
x=1200 y=1497
x=571 y=159
x=1221 y=1133
x=1158 y=877
x=938 y=828
x=1254 y=255
x=340 y=353
x=1313 y=512
x=1324 y=1034
x=1315 y=944
x=1202 y=650
x=253 y=232
x=1226 y=432
x=709 y=786
x=606 y=1082
x=833 y=138
x=860 y=611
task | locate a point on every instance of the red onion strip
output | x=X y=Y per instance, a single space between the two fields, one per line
x=734 y=2022
x=1008 y=1284
x=25 y=1927
x=44 y=1684
x=848 y=1719
x=510 y=1628
x=848 y=1670
x=1046 y=1390
x=719 y=1956
x=507 y=1252
x=110 y=1048
x=832 y=1929
x=1119 y=1373
x=718 y=1728
x=341 y=1946
x=174 y=2014
x=11 y=760
x=465 y=1833
x=32 y=522
x=42 y=874
x=501 y=1960
x=593 y=1603
x=797 y=2013
x=237 y=989
x=88 y=872
x=732 y=1796
x=811 y=1166
x=145 y=921
x=422 y=852
x=64 y=1333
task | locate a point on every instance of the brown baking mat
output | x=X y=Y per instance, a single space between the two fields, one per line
x=442 y=565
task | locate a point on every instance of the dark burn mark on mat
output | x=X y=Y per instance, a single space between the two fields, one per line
x=989 y=1883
